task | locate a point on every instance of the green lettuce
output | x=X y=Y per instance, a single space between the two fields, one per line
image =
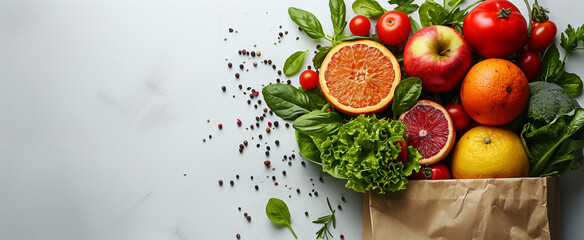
x=364 y=152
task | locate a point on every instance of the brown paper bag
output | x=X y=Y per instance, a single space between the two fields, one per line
x=505 y=208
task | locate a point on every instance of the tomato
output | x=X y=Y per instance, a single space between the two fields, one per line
x=393 y=27
x=308 y=79
x=530 y=64
x=542 y=36
x=435 y=171
x=460 y=118
x=403 y=154
x=495 y=29
x=360 y=25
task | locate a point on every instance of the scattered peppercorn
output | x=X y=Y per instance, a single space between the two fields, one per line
x=231 y=182
x=257 y=187
x=236 y=75
x=267 y=163
x=342 y=236
x=316 y=194
x=298 y=190
x=276 y=183
x=238 y=236
x=276 y=123
x=238 y=122
x=306 y=213
x=248 y=218
x=220 y=182
x=340 y=208
x=303 y=163
x=230 y=29
x=277 y=142
x=321 y=179
x=267 y=153
x=268 y=130
x=229 y=65
x=343 y=199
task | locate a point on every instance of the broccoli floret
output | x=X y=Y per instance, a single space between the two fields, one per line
x=547 y=101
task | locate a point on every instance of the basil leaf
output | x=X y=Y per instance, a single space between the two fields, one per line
x=454 y=3
x=550 y=64
x=338 y=12
x=294 y=63
x=571 y=83
x=368 y=8
x=316 y=98
x=307 y=22
x=286 y=101
x=432 y=13
x=320 y=124
x=277 y=211
x=406 y=95
x=319 y=57
x=405 y=6
x=307 y=147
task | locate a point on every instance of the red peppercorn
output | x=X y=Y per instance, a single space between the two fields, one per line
x=342 y=236
x=269 y=124
x=267 y=163
x=256 y=93
x=276 y=183
x=238 y=122
x=220 y=126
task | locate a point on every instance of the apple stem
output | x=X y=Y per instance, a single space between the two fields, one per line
x=444 y=51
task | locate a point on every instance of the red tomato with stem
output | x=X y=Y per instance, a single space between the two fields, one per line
x=530 y=63
x=542 y=36
x=308 y=79
x=460 y=118
x=393 y=27
x=433 y=172
x=360 y=25
x=495 y=29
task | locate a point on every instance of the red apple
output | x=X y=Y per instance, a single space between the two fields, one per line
x=439 y=56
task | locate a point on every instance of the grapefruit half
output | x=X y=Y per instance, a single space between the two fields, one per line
x=359 y=77
x=430 y=130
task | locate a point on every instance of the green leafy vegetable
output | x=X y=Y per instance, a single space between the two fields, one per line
x=319 y=124
x=324 y=231
x=287 y=101
x=338 y=12
x=320 y=55
x=277 y=211
x=307 y=147
x=317 y=100
x=294 y=63
x=570 y=38
x=552 y=71
x=405 y=6
x=363 y=152
x=368 y=8
x=432 y=13
x=557 y=147
x=307 y=22
x=406 y=95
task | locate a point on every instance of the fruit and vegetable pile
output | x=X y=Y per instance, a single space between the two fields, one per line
x=474 y=92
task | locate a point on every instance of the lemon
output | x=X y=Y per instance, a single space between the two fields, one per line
x=489 y=152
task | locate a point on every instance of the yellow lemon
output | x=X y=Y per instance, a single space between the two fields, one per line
x=489 y=152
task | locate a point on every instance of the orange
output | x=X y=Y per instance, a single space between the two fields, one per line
x=494 y=92
x=489 y=152
x=359 y=77
x=430 y=130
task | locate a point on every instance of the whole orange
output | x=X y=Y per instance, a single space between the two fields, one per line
x=494 y=92
x=489 y=152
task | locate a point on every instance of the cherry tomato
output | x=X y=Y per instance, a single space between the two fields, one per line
x=308 y=79
x=530 y=64
x=460 y=118
x=495 y=29
x=435 y=171
x=393 y=27
x=360 y=25
x=542 y=36
x=403 y=154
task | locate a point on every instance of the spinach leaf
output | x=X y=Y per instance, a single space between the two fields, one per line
x=308 y=148
x=307 y=22
x=432 y=13
x=317 y=100
x=406 y=95
x=294 y=63
x=571 y=83
x=319 y=57
x=415 y=26
x=557 y=147
x=338 y=12
x=551 y=65
x=319 y=124
x=368 y=8
x=277 y=211
x=405 y=6
x=287 y=101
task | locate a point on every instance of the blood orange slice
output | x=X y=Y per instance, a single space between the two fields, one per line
x=359 y=77
x=430 y=130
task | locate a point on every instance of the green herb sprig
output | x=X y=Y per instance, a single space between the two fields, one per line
x=277 y=211
x=324 y=231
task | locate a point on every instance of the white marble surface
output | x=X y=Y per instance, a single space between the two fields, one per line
x=104 y=106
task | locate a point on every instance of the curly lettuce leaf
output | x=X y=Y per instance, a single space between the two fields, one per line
x=364 y=153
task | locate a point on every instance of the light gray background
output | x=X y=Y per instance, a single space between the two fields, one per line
x=104 y=106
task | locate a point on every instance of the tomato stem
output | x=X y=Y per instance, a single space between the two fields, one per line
x=504 y=13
